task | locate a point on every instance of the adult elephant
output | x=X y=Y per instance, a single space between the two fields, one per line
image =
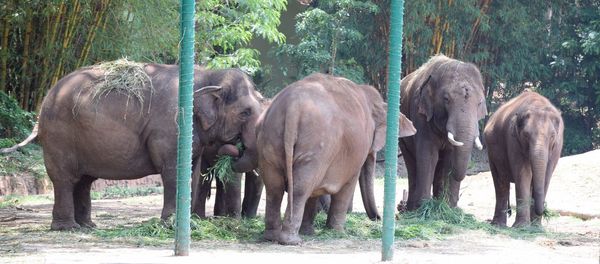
x=445 y=100
x=524 y=139
x=127 y=133
x=319 y=136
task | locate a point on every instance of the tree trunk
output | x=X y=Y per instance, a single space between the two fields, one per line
x=25 y=84
x=4 y=50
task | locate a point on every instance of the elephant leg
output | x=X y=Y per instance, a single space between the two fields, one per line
x=310 y=211
x=336 y=218
x=411 y=169
x=303 y=177
x=169 y=179
x=439 y=186
x=63 y=179
x=232 y=196
x=219 y=209
x=199 y=206
x=83 y=202
x=253 y=187
x=274 y=187
x=523 y=179
x=351 y=203
x=502 y=189
x=428 y=158
x=323 y=203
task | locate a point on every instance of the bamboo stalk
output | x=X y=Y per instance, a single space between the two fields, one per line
x=24 y=71
x=5 y=38
x=65 y=43
x=44 y=86
x=101 y=19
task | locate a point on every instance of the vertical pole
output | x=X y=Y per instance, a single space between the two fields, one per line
x=391 y=140
x=184 y=119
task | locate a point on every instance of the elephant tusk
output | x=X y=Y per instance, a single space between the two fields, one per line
x=207 y=89
x=454 y=142
x=478 y=143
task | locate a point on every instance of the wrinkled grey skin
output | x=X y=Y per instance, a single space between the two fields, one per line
x=319 y=136
x=228 y=195
x=116 y=137
x=524 y=139
x=444 y=95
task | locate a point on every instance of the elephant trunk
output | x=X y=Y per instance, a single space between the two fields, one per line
x=465 y=135
x=539 y=159
x=365 y=181
x=249 y=159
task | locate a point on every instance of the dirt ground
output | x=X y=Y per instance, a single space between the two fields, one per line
x=25 y=238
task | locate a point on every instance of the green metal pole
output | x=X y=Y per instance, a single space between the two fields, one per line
x=184 y=119
x=391 y=140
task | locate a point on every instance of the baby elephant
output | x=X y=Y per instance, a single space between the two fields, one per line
x=319 y=136
x=524 y=139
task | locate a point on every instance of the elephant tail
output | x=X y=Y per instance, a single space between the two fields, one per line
x=290 y=135
x=30 y=138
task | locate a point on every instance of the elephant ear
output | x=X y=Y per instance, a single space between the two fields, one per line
x=425 y=103
x=481 y=110
x=518 y=122
x=379 y=116
x=206 y=102
x=406 y=128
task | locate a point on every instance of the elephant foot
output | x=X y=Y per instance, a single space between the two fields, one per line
x=498 y=223
x=271 y=235
x=289 y=239
x=521 y=223
x=86 y=224
x=336 y=227
x=64 y=225
x=307 y=230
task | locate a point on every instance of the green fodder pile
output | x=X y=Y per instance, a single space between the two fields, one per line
x=124 y=77
x=434 y=220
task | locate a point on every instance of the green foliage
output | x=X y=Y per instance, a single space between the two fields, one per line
x=28 y=160
x=330 y=39
x=226 y=28
x=223 y=168
x=114 y=192
x=14 y=122
x=574 y=85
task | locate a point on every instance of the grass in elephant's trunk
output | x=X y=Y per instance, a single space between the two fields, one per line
x=222 y=168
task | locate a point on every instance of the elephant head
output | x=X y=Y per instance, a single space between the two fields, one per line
x=248 y=161
x=539 y=134
x=452 y=100
x=225 y=102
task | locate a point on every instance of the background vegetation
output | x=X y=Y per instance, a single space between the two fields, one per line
x=551 y=46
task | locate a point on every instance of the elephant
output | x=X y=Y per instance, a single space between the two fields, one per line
x=319 y=136
x=227 y=201
x=524 y=140
x=445 y=100
x=111 y=136
x=228 y=195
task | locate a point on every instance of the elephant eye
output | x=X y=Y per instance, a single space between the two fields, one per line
x=246 y=113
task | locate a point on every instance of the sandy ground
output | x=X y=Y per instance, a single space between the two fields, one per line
x=24 y=235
